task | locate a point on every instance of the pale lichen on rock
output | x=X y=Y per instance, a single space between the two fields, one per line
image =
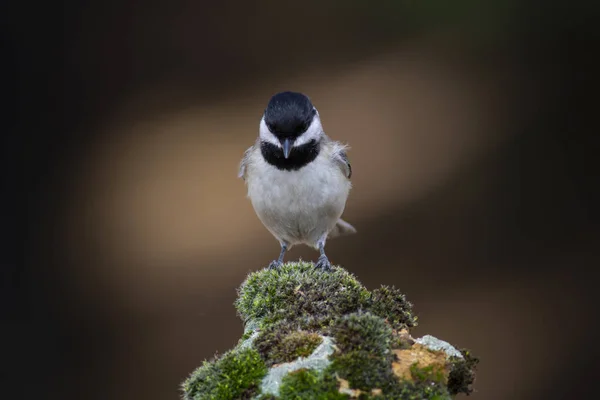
x=311 y=334
x=436 y=344
x=317 y=361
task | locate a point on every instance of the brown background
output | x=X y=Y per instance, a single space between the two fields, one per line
x=473 y=134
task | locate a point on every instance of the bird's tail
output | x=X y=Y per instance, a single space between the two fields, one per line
x=341 y=228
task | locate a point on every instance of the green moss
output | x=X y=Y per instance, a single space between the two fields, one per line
x=203 y=380
x=310 y=385
x=363 y=357
x=362 y=331
x=374 y=374
x=299 y=292
x=401 y=340
x=428 y=384
x=462 y=374
x=284 y=342
x=420 y=391
x=363 y=370
x=236 y=375
x=430 y=373
x=389 y=303
x=300 y=344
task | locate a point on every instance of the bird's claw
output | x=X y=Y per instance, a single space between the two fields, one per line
x=323 y=263
x=275 y=264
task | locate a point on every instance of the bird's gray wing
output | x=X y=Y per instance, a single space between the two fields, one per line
x=341 y=159
x=244 y=163
x=341 y=228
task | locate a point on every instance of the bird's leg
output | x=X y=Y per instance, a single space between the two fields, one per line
x=279 y=262
x=323 y=262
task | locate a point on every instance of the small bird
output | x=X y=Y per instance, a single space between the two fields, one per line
x=298 y=179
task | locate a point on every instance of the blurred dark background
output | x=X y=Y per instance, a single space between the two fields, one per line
x=474 y=144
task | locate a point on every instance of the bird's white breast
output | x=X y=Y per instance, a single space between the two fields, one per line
x=298 y=206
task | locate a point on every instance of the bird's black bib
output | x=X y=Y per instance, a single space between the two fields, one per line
x=299 y=156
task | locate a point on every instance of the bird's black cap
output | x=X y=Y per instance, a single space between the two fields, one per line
x=289 y=114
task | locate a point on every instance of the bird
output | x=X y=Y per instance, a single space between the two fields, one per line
x=297 y=178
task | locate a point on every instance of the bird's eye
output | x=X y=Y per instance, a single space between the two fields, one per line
x=302 y=128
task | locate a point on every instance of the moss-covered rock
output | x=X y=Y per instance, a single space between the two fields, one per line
x=363 y=370
x=310 y=385
x=362 y=332
x=313 y=334
x=283 y=342
x=301 y=293
x=401 y=339
x=462 y=374
x=236 y=375
x=390 y=304
x=364 y=351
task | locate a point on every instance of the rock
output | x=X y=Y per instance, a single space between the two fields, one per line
x=312 y=334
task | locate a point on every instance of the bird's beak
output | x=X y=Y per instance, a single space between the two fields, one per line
x=287 y=147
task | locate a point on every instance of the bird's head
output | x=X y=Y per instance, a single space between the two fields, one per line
x=290 y=121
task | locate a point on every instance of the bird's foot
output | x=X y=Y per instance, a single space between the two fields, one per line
x=323 y=263
x=275 y=264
